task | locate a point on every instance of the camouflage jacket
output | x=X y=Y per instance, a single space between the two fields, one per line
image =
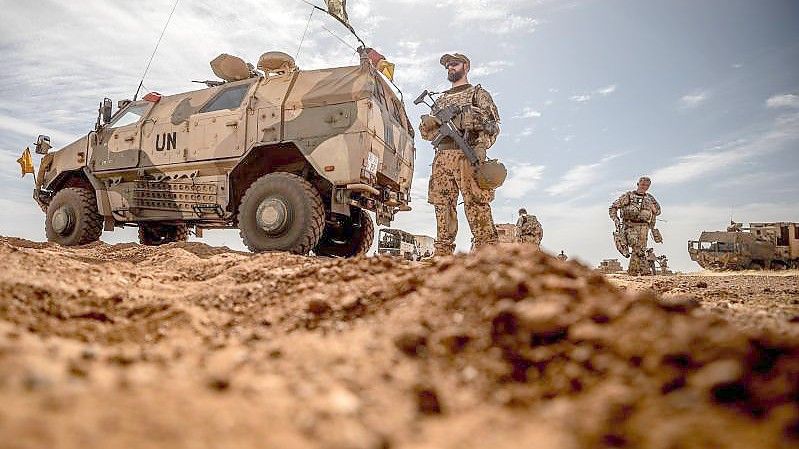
x=480 y=121
x=635 y=208
x=529 y=225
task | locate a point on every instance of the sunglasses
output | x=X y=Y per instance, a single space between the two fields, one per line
x=453 y=64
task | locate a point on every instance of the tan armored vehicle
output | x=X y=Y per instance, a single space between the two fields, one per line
x=608 y=266
x=506 y=233
x=292 y=158
x=760 y=246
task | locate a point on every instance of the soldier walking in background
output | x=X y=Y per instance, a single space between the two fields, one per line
x=452 y=173
x=528 y=229
x=638 y=212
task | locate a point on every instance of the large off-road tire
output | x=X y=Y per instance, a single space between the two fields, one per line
x=281 y=212
x=72 y=217
x=154 y=234
x=353 y=239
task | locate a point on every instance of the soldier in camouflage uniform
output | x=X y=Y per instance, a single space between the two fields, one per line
x=638 y=211
x=452 y=172
x=528 y=229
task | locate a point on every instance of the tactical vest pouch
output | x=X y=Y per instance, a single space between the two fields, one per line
x=657 y=236
x=490 y=174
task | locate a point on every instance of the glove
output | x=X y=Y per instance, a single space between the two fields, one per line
x=429 y=127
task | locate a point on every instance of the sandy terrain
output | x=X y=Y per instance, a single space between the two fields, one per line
x=189 y=346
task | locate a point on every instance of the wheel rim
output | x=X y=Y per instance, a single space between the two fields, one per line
x=63 y=220
x=272 y=215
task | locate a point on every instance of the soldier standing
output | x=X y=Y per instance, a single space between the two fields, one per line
x=529 y=229
x=650 y=260
x=638 y=211
x=562 y=256
x=452 y=172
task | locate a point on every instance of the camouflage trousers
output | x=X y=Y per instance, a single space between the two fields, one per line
x=452 y=174
x=530 y=239
x=637 y=235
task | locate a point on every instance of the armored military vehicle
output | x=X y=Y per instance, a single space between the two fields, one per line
x=506 y=233
x=609 y=266
x=292 y=158
x=760 y=246
x=396 y=242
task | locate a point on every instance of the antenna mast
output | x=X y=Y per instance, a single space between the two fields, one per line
x=147 y=69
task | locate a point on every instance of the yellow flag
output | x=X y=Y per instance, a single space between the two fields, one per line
x=386 y=68
x=338 y=8
x=26 y=162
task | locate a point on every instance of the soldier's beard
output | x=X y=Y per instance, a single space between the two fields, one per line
x=456 y=75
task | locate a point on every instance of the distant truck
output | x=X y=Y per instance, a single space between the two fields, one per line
x=506 y=233
x=608 y=266
x=396 y=242
x=760 y=246
x=425 y=244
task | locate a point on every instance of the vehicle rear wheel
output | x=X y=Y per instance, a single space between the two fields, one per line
x=154 y=234
x=281 y=212
x=351 y=239
x=73 y=218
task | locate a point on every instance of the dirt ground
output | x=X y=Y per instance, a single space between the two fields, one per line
x=189 y=346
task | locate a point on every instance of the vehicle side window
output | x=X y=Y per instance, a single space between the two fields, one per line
x=131 y=115
x=229 y=98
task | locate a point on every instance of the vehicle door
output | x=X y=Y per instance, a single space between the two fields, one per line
x=116 y=146
x=218 y=130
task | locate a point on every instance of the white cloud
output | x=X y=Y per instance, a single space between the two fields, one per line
x=783 y=101
x=528 y=112
x=784 y=131
x=489 y=68
x=602 y=91
x=522 y=179
x=693 y=100
x=607 y=90
x=26 y=128
x=580 y=176
x=580 y=98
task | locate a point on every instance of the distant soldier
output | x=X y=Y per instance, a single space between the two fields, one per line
x=663 y=261
x=638 y=212
x=650 y=261
x=452 y=172
x=562 y=256
x=528 y=229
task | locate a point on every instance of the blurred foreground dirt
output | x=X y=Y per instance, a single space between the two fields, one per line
x=189 y=346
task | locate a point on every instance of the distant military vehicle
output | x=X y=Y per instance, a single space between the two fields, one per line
x=396 y=242
x=506 y=233
x=608 y=266
x=425 y=244
x=292 y=158
x=760 y=246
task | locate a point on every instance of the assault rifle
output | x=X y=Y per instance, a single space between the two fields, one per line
x=489 y=174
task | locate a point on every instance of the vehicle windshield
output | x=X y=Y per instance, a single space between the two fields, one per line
x=722 y=247
x=131 y=115
x=388 y=240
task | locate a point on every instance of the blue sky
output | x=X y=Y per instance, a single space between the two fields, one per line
x=701 y=96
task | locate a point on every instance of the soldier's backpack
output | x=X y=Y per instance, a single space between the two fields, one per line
x=529 y=225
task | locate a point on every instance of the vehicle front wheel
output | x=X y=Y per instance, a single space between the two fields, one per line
x=73 y=218
x=281 y=212
x=350 y=238
x=154 y=234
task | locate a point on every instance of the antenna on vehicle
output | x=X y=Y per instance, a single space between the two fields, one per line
x=338 y=19
x=147 y=69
